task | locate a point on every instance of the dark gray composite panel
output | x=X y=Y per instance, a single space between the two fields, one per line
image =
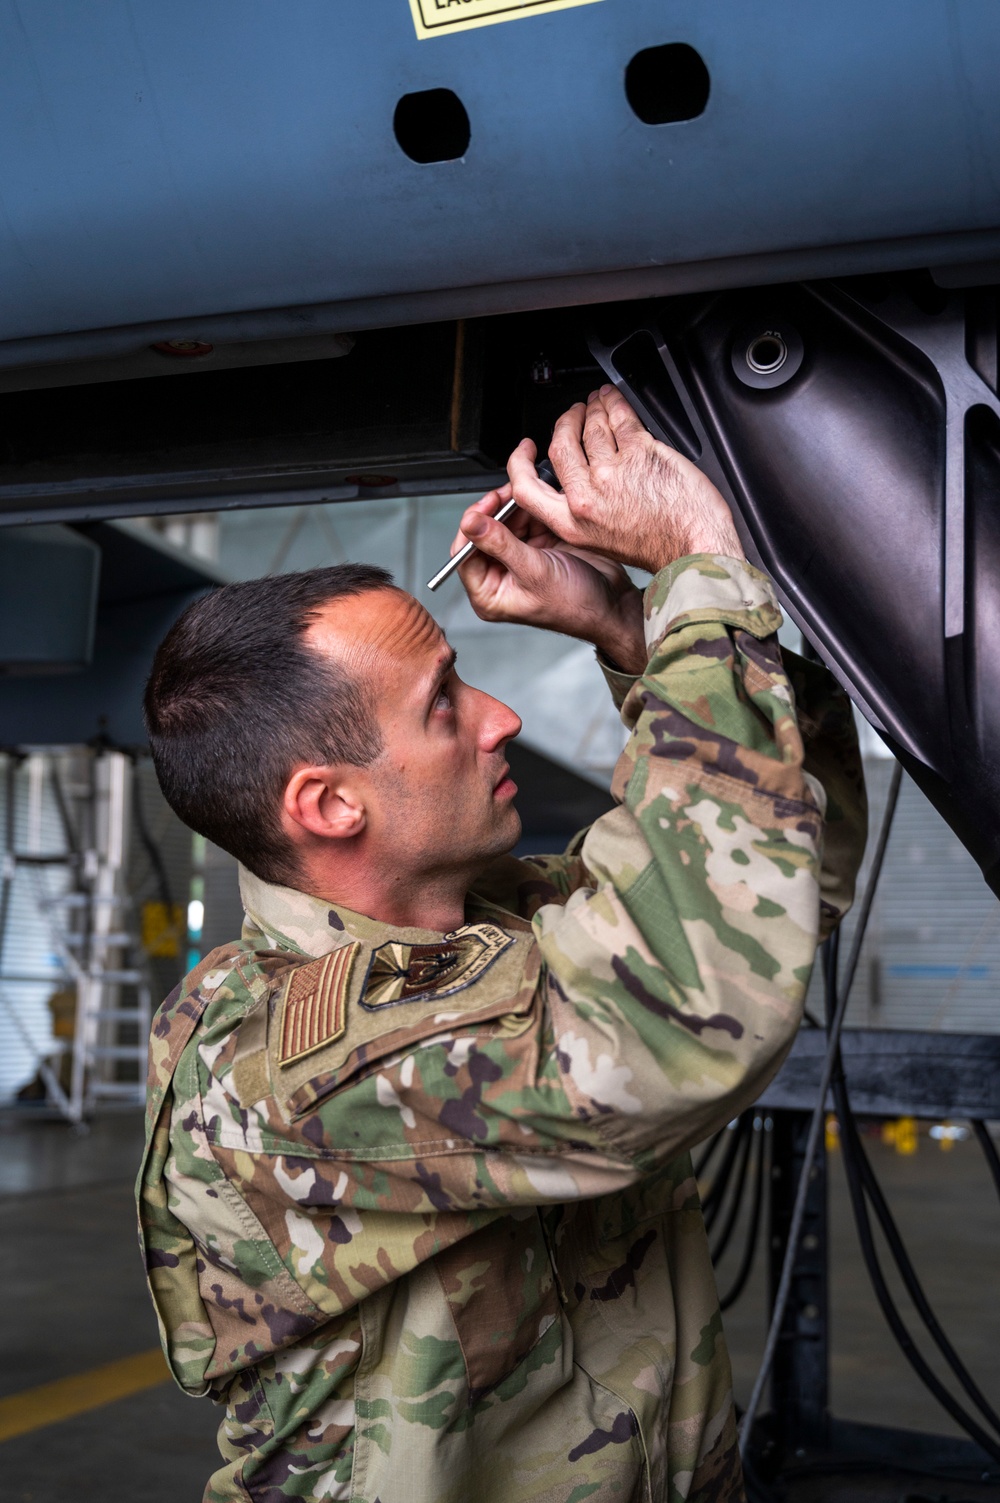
x=892 y=1073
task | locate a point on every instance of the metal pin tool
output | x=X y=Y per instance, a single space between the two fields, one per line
x=545 y=472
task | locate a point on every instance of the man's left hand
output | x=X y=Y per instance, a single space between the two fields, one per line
x=522 y=572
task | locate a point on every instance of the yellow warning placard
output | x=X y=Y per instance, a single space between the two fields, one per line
x=435 y=18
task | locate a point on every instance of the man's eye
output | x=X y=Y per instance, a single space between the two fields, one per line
x=443 y=701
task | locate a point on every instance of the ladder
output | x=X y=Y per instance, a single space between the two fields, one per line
x=90 y=928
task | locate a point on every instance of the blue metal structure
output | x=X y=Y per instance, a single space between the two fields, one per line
x=141 y=588
x=203 y=171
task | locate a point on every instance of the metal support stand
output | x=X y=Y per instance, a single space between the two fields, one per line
x=892 y=1074
x=800 y=1375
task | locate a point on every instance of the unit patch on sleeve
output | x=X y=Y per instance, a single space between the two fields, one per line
x=314 y=1007
x=417 y=973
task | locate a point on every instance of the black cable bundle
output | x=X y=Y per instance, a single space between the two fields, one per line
x=707 y=1154
x=746 y=1157
x=864 y=1188
x=746 y=1136
x=738 y=1137
x=745 y=1269
x=744 y=1163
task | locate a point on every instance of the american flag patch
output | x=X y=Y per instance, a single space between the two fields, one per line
x=315 y=1004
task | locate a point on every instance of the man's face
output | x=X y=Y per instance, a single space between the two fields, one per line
x=438 y=799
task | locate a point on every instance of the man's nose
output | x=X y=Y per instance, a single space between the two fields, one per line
x=497 y=723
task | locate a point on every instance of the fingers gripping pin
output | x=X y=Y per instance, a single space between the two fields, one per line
x=466 y=552
x=545 y=472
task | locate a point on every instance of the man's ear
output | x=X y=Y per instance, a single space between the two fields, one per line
x=322 y=801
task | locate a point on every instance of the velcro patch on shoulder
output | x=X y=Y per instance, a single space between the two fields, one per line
x=418 y=973
x=314 y=1008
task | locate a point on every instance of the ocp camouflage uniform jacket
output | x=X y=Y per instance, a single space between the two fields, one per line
x=418 y=1208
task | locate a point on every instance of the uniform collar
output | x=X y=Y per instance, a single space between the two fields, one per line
x=292 y=920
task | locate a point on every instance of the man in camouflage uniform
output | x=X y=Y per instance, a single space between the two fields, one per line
x=417 y=1204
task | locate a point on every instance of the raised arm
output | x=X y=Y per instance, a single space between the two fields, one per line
x=680 y=969
x=633 y=1015
x=681 y=960
x=643 y=503
x=660 y=993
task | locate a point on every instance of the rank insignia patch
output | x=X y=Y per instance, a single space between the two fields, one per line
x=313 y=1013
x=418 y=973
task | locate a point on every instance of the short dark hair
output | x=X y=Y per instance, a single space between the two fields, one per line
x=237 y=698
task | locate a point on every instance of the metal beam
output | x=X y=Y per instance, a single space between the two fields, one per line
x=896 y=1073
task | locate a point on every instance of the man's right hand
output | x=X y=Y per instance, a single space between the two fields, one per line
x=625 y=494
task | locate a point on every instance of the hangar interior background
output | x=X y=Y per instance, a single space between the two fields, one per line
x=930 y=961
x=931 y=958
x=280 y=293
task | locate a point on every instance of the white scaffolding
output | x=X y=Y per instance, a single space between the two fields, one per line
x=88 y=915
